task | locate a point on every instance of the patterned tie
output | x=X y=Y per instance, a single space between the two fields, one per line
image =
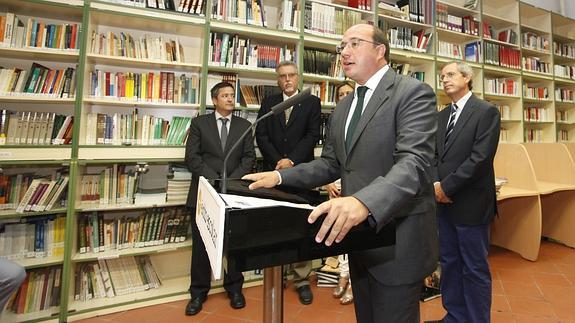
x=288 y=113
x=224 y=132
x=451 y=123
x=356 y=116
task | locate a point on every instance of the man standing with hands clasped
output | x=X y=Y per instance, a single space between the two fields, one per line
x=288 y=139
x=382 y=144
x=466 y=141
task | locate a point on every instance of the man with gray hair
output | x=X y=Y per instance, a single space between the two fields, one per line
x=288 y=139
x=466 y=142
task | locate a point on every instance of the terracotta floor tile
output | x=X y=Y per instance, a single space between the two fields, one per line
x=534 y=319
x=497 y=287
x=504 y=317
x=215 y=318
x=252 y=312
x=530 y=306
x=514 y=275
x=499 y=304
x=553 y=293
x=563 y=310
x=551 y=279
x=317 y=315
x=523 y=289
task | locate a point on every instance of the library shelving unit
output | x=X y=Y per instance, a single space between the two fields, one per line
x=118 y=55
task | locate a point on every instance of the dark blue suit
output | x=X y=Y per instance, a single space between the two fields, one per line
x=464 y=167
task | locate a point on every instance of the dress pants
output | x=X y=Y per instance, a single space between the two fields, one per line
x=379 y=303
x=465 y=277
x=201 y=271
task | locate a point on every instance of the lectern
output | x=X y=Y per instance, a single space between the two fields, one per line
x=276 y=233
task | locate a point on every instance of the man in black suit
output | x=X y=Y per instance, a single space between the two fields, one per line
x=211 y=137
x=381 y=143
x=288 y=139
x=466 y=142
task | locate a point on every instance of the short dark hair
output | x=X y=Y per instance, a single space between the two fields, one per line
x=379 y=37
x=340 y=85
x=216 y=89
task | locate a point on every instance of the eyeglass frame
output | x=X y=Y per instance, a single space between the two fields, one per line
x=339 y=48
x=449 y=75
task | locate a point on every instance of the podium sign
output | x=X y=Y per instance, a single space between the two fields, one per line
x=210 y=218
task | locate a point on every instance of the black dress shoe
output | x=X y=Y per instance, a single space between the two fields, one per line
x=195 y=305
x=305 y=295
x=237 y=300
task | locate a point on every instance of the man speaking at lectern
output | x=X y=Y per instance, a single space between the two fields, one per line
x=382 y=144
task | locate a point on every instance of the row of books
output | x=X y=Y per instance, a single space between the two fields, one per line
x=536 y=114
x=162 y=87
x=113 y=185
x=254 y=94
x=324 y=91
x=39 y=291
x=41 y=80
x=504 y=56
x=533 y=135
x=405 y=38
x=473 y=52
x=144 y=47
x=187 y=6
x=43 y=194
x=99 y=232
x=565 y=71
x=405 y=69
x=467 y=25
x=502 y=86
x=16 y=33
x=325 y=20
x=35 y=237
x=507 y=36
x=504 y=111
x=35 y=128
x=503 y=134
x=564 y=95
x=563 y=135
x=114 y=277
x=534 y=41
x=564 y=50
x=235 y=51
x=250 y=12
x=450 y=50
x=562 y=115
x=534 y=92
x=130 y=129
x=536 y=64
x=417 y=10
x=288 y=18
x=322 y=63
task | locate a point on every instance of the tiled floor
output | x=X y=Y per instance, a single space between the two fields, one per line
x=523 y=292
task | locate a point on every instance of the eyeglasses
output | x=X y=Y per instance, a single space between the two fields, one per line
x=353 y=43
x=449 y=75
x=287 y=76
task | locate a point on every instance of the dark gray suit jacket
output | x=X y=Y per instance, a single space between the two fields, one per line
x=204 y=155
x=464 y=165
x=388 y=168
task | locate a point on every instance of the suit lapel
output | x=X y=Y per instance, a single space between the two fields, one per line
x=233 y=134
x=466 y=113
x=377 y=100
x=214 y=130
x=442 y=127
x=344 y=106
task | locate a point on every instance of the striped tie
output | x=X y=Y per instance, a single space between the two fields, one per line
x=451 y=123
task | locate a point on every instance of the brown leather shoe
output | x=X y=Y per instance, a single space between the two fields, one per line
x=341 y=286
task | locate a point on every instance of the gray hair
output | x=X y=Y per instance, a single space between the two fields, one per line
x=286 y=63
x=465 y=70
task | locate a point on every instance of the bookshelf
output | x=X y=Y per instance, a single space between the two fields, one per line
x=514 y=48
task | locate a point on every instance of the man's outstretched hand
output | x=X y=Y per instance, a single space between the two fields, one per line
x=342 y=214
x=265 y=179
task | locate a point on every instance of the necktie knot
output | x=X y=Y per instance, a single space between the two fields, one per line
x=361 y=91
x=224 y=121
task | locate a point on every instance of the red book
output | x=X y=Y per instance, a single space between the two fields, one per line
x=22 y=294
x=74 y=36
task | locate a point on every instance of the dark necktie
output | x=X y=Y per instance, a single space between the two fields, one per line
x=356 y=116
x=224 y=132
x=451 y=123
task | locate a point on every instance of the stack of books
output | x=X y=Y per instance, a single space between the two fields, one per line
x=178 y=184
x=328 y=275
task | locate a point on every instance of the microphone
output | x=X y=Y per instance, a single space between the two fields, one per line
x=276 y=109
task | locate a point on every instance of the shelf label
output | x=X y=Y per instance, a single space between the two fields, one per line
x=5 y=154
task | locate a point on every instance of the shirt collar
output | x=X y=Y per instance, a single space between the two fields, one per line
x=461 y=103
x=287 y=97
x=218 y=116
x=374 y=80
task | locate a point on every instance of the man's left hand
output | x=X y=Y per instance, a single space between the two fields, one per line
x=284 y=163
x=342 y=214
